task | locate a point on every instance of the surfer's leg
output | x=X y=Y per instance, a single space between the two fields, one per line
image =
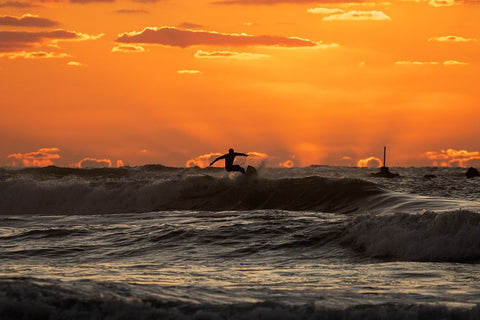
x=237 y=168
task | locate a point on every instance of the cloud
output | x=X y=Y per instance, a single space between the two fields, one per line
x=370 y=162
x=452 y=157
x=431 y=63
x=15 y=4
x=203 y=160
x=33 y=55
x=75 y=64
x=94 y=163
x=18 y=40
x=41 y=158
x=442 y=3
x=324 y=10
x=174 y=37
x=267 y=2
x=358 y=15
x=27 y=20
x=451 y=39
x=229 y=55
x=128 y=48
x=89 y=1
x=188 y=72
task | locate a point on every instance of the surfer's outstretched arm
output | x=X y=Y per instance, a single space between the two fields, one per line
x=219 y=158
x=241 y=154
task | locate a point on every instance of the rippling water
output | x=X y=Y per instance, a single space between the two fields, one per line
x=307 y=243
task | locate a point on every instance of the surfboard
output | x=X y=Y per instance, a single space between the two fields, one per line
x=251 y=171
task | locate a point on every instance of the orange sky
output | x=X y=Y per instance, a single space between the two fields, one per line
x=126 y=82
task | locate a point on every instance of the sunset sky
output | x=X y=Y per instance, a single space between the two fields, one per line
x=123 y=82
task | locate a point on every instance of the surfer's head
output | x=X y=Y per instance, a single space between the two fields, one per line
x=231 y=150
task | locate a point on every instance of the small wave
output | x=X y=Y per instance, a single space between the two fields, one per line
x=27 y=299
x=447 y=236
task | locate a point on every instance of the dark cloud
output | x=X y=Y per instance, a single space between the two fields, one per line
x=15 y=40
x=272 y=2
x=15 y=4
x=174 y=37
x=90 y=1
x=148 y=1
x=27 y=21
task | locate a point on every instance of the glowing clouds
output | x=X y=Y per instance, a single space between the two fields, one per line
x=33 y=55
x=341 y=15
x=431 y=63
x=452 y=157
x=94 y=163
x=358 y=15
x=128 y=48
x=229 y=55
x=202 y=161
x=370 y=162
x=188 y=72
x=451 y=39
x=41 y=158
x=183 y=38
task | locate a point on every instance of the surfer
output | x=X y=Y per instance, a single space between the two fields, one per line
x=229 y=157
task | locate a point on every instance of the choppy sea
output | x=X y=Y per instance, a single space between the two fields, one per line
x=320 y=242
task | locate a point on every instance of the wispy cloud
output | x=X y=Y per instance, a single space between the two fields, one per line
x=131 y=11
x=90 y=1
x=324 y=10
x=431 y=63
x=358 y=15
x=27 y=20
x=75 y=64
x=271 y=2
x=452 y=157
x=34 y=55
x=128 y=48
x=41 y=158
x=171 y=36
x=188 y=72
x=451 y=39
x=16 y=40
x=229 y=55
x=15 y=4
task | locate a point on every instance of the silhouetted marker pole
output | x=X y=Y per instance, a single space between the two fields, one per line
x=384 y=156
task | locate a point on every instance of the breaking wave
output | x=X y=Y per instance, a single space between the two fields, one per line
x=448 y=236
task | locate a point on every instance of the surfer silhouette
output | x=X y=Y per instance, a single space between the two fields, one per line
x=229 y=157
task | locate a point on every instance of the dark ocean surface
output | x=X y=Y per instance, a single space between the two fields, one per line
x=320 y=242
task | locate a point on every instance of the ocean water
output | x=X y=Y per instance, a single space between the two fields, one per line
x=320 y=242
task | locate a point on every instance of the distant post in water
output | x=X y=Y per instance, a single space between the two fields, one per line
x=384 y=172
x=384 y=156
